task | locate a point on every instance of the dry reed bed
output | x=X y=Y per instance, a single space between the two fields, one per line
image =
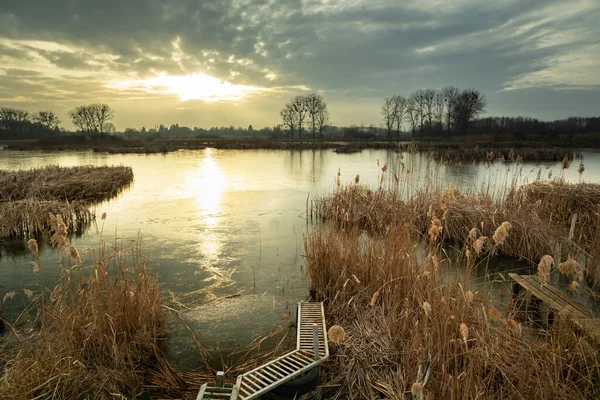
x=99 y=327
x=28 y=196
x=396 y=310
x=64 y=184
x=20 y=217
x=540 y=214
x=500 y=154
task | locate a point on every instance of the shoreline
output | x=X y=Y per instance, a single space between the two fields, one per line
x=448 y=152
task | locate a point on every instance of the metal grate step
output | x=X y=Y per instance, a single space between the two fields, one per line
x=268 y=376
x=311 y=350
x=311 y=316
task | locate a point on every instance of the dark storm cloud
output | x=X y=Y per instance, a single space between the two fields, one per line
x=349 y=49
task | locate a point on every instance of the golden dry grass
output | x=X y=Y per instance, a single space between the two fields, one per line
x=28 y=196
x=55 y=183
x=98 y=328
x=538 y=216
x=476 y=350
x=30 y=216
x=381 y=270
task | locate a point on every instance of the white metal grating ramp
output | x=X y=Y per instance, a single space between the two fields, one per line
x=311 y=350
x=311 y=317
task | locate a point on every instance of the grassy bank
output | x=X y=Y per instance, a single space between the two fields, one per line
x=384 y=275
x=28 y=196
x=94 y=335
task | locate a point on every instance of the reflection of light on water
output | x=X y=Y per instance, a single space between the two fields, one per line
x=207 y=185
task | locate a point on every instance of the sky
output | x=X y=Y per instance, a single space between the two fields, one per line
x=237 y=62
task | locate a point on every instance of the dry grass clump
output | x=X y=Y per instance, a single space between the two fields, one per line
x=27 y=197
x=99 y=329
x=29 y=216
x=55 y=183
x=419 y=313
x=527 y=222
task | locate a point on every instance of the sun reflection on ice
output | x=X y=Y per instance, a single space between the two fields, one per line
x=207 y=186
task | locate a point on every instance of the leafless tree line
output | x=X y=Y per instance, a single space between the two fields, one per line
x=93 y=118
x=433 y=111
x=305 y=111
x=22 y=124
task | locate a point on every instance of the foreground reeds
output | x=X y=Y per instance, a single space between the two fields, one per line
x=27 y=196
x=95 y=333
x=382 y=272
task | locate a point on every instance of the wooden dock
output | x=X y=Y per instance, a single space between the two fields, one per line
x=311 y=350
x=584 y=320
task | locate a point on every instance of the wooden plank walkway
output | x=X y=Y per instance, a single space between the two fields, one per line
x=584 y=319
x=312 y=349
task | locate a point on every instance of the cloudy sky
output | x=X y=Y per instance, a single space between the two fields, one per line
x=236 y=62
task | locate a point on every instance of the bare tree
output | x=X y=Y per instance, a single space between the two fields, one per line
x=450 y=93
x=428 y=101
x=387 y=110
x=413 y=113
x=47 y=120
x=289 y=119
x=438 y=110
x=469 y=104
x=400 y=110
x=322 y=117
x=93 y=118
x=300 y=109
x=315 y=106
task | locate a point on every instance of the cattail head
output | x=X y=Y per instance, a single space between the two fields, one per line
x=570 y=267
x=435 y=229
x=581 y=168
x=550 y=175
x=9 y=295
x=495 y=314
x=448 y=194
x=464 y=332
x=427 y=308
x=479 y=244
x=33 y=247
x=357 y=179
x=514 y=327
x=566 y=162
x=573 y=286
x=473 y=234
x=545 y=267
x=103 y=216
x=469 y=296
x=74 y=253
x=416 y=389
x=501 y=233
x=36 y=267
x=336 y=334
x=374 y=298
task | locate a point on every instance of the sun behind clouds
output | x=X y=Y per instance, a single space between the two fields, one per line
x=197 y=86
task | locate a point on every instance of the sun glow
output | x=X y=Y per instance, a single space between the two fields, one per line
x=192 y=87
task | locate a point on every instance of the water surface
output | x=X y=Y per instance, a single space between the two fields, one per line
x=221 y=223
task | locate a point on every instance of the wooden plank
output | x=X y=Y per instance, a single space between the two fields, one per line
x=582 y=318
